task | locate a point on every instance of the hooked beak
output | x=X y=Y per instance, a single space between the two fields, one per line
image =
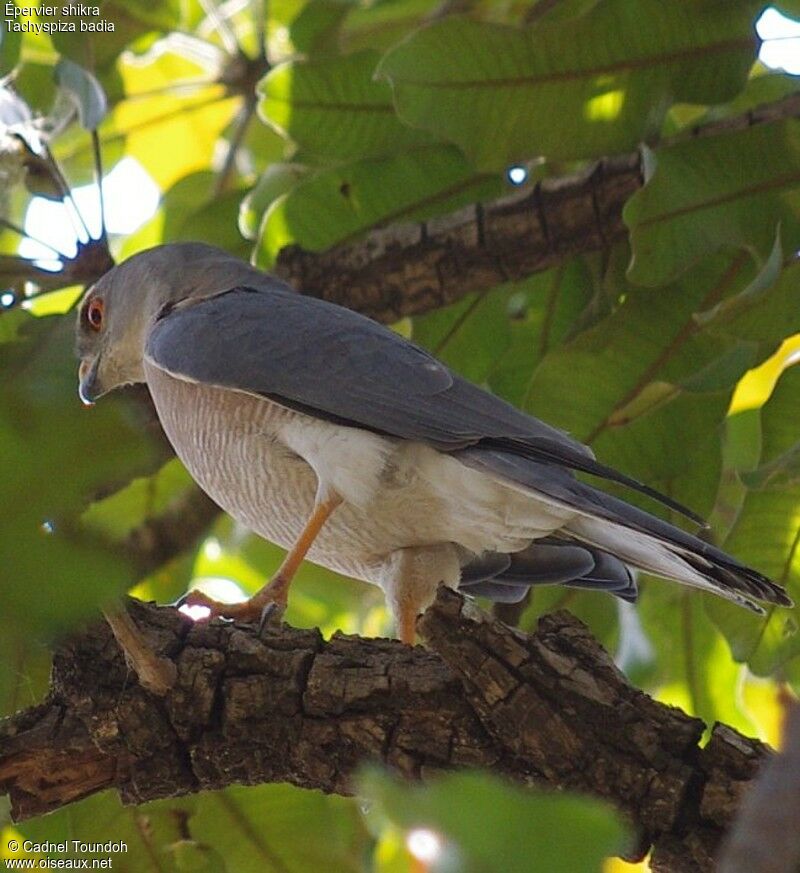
x=87 y=378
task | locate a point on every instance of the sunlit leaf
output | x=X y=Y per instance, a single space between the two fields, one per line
x=767 y=535
x=606 y=78
x=342 y=202
x=482 y=823
x=243 y=830
x=335 y=108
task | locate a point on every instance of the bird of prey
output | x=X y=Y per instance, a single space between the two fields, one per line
x=336 y=438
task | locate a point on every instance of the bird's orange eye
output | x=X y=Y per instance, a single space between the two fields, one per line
x=94 y=313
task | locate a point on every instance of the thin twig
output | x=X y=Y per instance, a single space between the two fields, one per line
x=98 y=175
x=222 y=27
x=237 y=137
x=66 y=194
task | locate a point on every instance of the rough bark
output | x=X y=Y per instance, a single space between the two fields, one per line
x=550 y=708
x=408 y=269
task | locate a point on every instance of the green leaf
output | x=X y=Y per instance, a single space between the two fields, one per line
x=782 y=472
x=694 y=668
x=276 y=180
x=648 y=337
x=340 y=203
x=85 y=92
x=57 y=454
x=487 y=824
x=192 y=210
x=498 y=337
x=766 y=278
x=716 y=192
x=246 y=830
x=606 y=79
x=10 y=41
x=767 y=536
x=769 y=315
x=334 y=108
x=313 y=27
x=767 y=87
x=382 y=24
x=95 y=41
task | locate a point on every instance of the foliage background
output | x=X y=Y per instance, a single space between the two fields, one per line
x=309 y=122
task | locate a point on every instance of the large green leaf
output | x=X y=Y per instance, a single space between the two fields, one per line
x=485 y=824
x=342 y=202
x=382 y=24
x=693 y=667
x=307 y=27
x=568 y=89
x=57 y=454
x=767 y=535
x=334 y=108
x=239 y=830
x=636 y=358
x=715 y=192
x=95 y=41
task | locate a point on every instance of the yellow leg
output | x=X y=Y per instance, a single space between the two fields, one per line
x=275 y=592
x=407 y=623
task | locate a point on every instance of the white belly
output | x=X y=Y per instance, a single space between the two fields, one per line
x=260 y=462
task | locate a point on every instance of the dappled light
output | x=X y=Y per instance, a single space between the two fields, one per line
x=425 y=845
x=605 y=107
x=591 y=210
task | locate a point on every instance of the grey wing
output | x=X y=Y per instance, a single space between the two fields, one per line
x=333 y=363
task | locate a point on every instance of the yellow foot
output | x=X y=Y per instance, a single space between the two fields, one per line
x=264 y=606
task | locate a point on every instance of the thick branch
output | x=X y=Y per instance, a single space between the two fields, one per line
x=550 y=708
x=408 y=269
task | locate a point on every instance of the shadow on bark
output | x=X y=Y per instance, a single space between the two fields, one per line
x=548 y=708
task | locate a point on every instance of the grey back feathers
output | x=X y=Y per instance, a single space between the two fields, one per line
x=320 y=358
x=215 y=320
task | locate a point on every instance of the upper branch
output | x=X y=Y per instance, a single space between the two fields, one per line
x=549 y=708
x=407 y=269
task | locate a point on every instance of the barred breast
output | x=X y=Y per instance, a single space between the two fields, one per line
x=262 y=463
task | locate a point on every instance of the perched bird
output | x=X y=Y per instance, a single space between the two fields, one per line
x=334 y=437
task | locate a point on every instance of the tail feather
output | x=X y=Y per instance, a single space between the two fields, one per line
x=506 y=578
x=635 y=537
x=667 y=551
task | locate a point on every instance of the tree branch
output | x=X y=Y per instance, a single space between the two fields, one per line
x=550 y=708
x=409 y=269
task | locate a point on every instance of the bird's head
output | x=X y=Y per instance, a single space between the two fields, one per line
x=116 y=313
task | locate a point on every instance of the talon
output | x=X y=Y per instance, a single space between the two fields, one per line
x=198 y=598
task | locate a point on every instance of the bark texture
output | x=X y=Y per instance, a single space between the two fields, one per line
x=550 y=708
x=408 y=269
